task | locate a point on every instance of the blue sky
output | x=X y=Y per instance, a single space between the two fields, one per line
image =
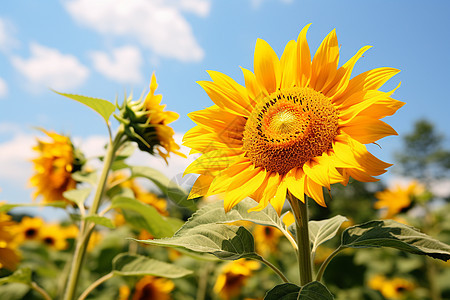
x=104 y=48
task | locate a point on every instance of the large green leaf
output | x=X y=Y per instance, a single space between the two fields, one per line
x=170 y=188
x=215 y=213
x=388 y=233
x=126 y=264
x=324 y=230
x=8 y=207
x=22 y=275
x=288 y=291
x=88 y=177
x=103 y=107
x=150 y=219
x=99 y=220
x=77 y=195
x=227 y=242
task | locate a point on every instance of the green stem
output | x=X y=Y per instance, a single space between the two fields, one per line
x=86 y=230
x=300 y=211
x=94 y=285
x=40 y=290
x=325 y=264
x=275 y=269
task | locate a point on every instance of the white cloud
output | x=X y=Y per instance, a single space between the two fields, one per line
x=122 y=65
x=6 y=40
x=257 y=3
x=15 y=156
x=48 y=67
x=156 y=24
x=3 y=88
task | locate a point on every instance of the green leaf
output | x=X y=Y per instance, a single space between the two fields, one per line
x=215 y=213
x=227 y=242
x=324 y=230
x=170 y=188
x=8 y=207
x=77 y=195
x=14 y=291
x=136 y=265
x=104 y=221
x=19 y=276
x=288 y=291
x=88 y=177
x=388 y=233
x=103 y=107
x=150 y=219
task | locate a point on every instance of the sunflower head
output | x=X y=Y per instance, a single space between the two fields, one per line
x=395 y=288
x=57 y=160
x=54 y=236
x=150 y=287
x=233 y=277
x=28 y=229
x=146 y=123
x=298 y=125
x=397 y=199
x=266 y=239
x=9 y=256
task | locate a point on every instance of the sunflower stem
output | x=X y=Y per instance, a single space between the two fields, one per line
x=275 y=269
x=86 y=228
x=300 y=211
x=94 y=285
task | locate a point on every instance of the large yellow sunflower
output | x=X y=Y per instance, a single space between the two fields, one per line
x=9 y=257
x=54 y=167
x=297 y=125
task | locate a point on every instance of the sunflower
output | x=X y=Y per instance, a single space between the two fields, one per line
x=28 y=229
x=146 y=123
x=296 y=126
x=150 y=287
x=233 y=277
x=9 y=257
x=394 y=200
x=395 y=288
x=53 y=236
x=266 y=239
x=54 y=167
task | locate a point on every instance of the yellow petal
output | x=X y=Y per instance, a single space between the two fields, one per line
x=367 y=130
x=341 y=81
x=280 y=197
x=288 y=63
x=295 y=180
x=303 y=58
x=370 y=80
x=267 y=67
x=243 y=184
x=253 y=89
x=314 y=190
x=200 y=187
x=228 y=82
x=227 y=99
x=325 y=62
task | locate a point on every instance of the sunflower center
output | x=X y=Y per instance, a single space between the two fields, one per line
x=288 y=128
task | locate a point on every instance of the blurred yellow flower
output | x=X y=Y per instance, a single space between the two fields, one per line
x=124 y=292
x=95 y=239
x=28 y=229
x=394 y=200
x=297 y=125
x=266 y=239
x=53 y=167
x=233 y=277
x=54 y=236
x=150 y=287
x=322 y=254
x=395 y=288
x=9 y=257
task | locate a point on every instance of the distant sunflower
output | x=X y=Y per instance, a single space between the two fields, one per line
x=9 y=257
x=395 y=288
x=28 y=229
x=233 y=277
x=394 y=200
x=297 y=125
x=54 y=167
x=53 y=236
x=266 y=239
x=150 y=287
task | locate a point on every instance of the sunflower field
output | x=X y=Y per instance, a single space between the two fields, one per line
x=279 y=163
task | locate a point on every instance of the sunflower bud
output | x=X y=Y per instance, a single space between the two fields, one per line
x=145 y=122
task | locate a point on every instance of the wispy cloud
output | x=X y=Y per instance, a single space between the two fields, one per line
x=156 y=25
x=7 y=41
x=123 y=65
x=48 y=67
x=3 y=88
